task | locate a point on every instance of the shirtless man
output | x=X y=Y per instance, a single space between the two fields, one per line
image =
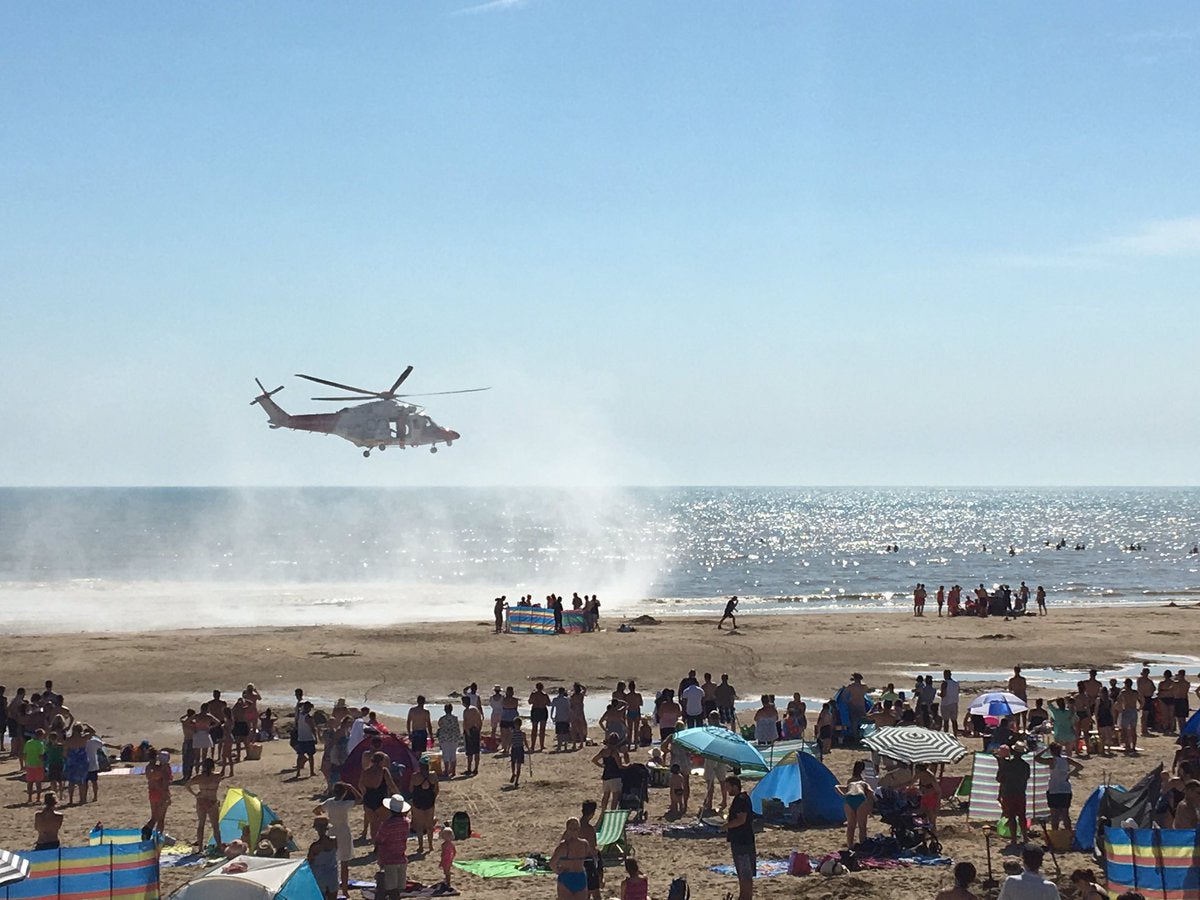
x=1145 y=687
x=1182 y=689
x=472 y=723
x=1091 y=687
x=539 y=714
x=1125 y=711
x=204 y=788
x=725 y=696
x=669 y=713
x=1019 y=686
x=158 y=785
x=419 y=725
x=1187 y=813
x=857 y=701
x=1166 y=702
x=46 y=822
x=241 y=726
x=510 y=708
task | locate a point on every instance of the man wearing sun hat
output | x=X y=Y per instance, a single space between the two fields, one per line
x=391 y=845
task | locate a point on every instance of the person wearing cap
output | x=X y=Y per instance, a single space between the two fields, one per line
x=1029 y=885
x=391 y=847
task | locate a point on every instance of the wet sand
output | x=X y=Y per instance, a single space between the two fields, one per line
x=134 y=686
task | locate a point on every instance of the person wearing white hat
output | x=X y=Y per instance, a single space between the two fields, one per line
x=391 y=846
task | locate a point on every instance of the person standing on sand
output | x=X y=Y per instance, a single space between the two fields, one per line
x=423 y=793
x=158 y=787
x=419 y=726
x=391 y=847
x=567 y=862
x=1126 y=710
x=1012 y=774
x=949 y=702
x=941 y=598
x=1040 y=597
x=498 y=608
x=449 y=733
x=205 y=787
x=34 y=754
x=188 y=750
x=856 y=693
x=1019 y=686
x=611 y=760
x=633 y=713
x=510 y=708
x=306 y=741
x=560 y=712
x=472 y=723
x=579 y=725
x=495 y=704
x=1145 y=689
x=375 y=784
x=730 y=610
x=726 y=697
x=337 y=809
x=539 y=714
x=593 y=865
x=739 y=831
x=858 y=801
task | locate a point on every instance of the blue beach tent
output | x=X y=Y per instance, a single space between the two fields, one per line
x=807 y=782
x=1193 y=725
x=1087 y=824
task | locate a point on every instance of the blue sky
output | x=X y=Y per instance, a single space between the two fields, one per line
x=701 y=243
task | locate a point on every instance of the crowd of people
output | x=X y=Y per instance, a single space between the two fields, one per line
x=588 y=607
x=1003 y=600
x=61 y=756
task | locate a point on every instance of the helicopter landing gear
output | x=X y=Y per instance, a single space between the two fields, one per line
x=381 y=447
x=433 y=449
x=366 y=453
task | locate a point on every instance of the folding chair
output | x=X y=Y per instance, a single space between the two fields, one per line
x=611 y=840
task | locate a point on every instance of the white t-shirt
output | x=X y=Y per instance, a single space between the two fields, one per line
x=560 y=709
x=357 y=731
x=495 y=704
x=1060 y=776
x=693 y=699
x=950 y=698
x=93 y=747
x=1028 y=886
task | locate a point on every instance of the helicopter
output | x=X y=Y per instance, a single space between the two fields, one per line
x=374 y=424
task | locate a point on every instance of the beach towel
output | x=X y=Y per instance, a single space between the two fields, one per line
x=136 y=770
x=498 y=868
x=411 y=889
x=767 y=868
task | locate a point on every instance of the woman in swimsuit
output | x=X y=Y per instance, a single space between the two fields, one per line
x=1105 y=721
x=611 y=759
x=765 y=719
x=422 y=794
x=858 y=799
x=374 y=785
x=204 y=788
x=567 y=860
x=202 y=725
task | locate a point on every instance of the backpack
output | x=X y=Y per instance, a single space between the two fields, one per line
x=460 y=826
x=679 y=889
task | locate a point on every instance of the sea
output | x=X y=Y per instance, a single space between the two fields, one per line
x=120 y=559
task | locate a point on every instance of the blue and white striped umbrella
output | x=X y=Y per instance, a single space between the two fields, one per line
x=13 y=868
x=997 y=703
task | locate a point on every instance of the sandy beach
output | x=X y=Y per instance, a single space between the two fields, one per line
x=132 y=686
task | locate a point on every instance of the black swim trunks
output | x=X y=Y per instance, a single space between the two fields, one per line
x=539 y=714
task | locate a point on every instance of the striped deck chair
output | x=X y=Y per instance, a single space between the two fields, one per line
x=611 y=840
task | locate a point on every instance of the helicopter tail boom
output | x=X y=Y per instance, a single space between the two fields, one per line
x=274 y=412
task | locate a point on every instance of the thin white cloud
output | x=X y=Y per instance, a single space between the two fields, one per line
x=1162 y=239
x=1167 y=237
x=490 y=6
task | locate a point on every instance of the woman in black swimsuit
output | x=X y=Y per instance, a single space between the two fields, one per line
x=375 y=784
x=422 y=794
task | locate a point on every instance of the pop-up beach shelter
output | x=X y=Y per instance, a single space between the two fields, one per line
x=1088 y=823
x=404 y=760
x=254 y=878
x=240 y=810
x=1193 y=725
x=806 y=781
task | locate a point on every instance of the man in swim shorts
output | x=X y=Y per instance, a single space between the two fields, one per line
x=539 y=714
x=419 y=726
x=472 y=723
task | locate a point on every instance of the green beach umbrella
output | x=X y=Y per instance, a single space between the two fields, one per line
x=712 y=742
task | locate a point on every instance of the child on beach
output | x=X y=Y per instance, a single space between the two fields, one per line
x=678 y=791
x=516 y=750
x=449 y=851
x=34 y=755
x=635 y=886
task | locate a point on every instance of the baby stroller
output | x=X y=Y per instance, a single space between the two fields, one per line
x=635 y=790
x=910 y=828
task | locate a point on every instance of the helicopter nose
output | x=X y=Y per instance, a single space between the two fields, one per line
x=452 y=435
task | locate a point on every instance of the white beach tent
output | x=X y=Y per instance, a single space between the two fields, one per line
x=263 y=879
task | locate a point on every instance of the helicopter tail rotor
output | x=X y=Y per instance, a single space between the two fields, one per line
x=265 y=393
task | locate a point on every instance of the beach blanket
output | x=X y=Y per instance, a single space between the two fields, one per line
x=767 y=868
x=985 y=792
x=498 y=868
x=412 y=889
x=665 y=829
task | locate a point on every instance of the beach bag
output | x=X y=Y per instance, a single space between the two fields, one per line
x=679 y=889
x=1059 y=839
x=799 y=864
x=460 y=826
x=253 y=751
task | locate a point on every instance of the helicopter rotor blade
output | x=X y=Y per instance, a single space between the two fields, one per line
x=355 y=399
x=399 y=381
x=440 y=393
x=344 y=387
